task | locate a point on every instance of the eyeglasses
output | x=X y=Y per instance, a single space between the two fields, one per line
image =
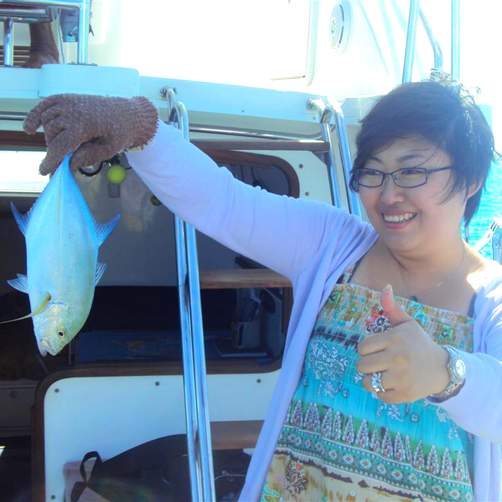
x=406 y=177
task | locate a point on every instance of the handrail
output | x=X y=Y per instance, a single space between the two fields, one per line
x=13 y=116
x=409 y=53
x=485 y=239
x=199 y=446
x=331 y=116
x=20 y=116
x=343 y=146
x=436 y=47
x=232 y=144
x=455 y=40
x=84 y=15
x=492 y=236
x=252 y=134
x=497 y=242
x=8 y=42
x=325 y=119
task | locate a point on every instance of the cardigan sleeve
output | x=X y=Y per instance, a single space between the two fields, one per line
x=280 y=232
x=477 y=408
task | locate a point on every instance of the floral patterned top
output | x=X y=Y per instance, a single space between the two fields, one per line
x=340 y=443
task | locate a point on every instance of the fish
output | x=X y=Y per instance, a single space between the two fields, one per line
x=62 y=242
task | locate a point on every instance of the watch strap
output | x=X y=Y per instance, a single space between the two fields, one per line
x=454 y=385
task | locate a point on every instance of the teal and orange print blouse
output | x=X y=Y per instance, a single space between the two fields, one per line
x=340 y=443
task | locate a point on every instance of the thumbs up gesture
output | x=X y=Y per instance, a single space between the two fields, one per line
x=410 y=364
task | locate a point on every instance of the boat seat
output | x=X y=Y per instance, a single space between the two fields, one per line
x=43 y=11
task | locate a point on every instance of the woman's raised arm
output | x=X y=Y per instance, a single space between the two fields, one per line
x=277 y=231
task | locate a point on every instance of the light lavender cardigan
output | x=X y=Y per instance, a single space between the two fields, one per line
x=312 y=244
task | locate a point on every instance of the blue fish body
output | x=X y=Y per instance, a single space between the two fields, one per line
x=62 y=243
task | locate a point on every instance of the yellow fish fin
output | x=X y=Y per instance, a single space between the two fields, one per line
x=38 y=310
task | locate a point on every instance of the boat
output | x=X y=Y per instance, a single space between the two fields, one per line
x=185 y=336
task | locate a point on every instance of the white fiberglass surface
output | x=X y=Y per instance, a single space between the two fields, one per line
x=19 y=172
x=113 y=414
x=223 y=40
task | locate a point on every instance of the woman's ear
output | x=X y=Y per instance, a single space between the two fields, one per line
x=473 y=189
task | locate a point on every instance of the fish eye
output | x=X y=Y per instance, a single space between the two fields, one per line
x=61 y=333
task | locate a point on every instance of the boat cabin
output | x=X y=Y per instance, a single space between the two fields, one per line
x=129 y=374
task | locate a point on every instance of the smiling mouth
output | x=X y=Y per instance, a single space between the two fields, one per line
x=398 y=218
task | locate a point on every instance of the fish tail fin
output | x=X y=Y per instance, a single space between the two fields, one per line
x=65 y=163
x=103 y=230
x=100 y=270
x=20 y=283
x=63 y=169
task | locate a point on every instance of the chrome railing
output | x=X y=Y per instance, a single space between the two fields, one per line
x=411 y=32
x=331 y=118
x=326 y=123
x=199 y=446
x=409 y=54
x=8 y=42
x=492 y=237
x=84 y=14
x=455 y=40
x=497 y=242
x=436 y=47
x=344 y=149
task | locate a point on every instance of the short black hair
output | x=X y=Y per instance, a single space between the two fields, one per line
x=444 y=114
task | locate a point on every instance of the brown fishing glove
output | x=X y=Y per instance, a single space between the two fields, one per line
x=95 y=128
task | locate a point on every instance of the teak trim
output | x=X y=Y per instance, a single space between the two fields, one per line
x=242 y=278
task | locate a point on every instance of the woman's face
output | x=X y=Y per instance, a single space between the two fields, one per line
x=413 y=221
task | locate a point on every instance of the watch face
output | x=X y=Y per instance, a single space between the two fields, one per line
x=459 y=369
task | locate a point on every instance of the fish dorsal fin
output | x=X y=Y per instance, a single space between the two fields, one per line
x=103 y=230
x=100 y=270
x=38 y=310
x=22 y=220
x=20 y=283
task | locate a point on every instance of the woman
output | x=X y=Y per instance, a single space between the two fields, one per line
x=391 y=375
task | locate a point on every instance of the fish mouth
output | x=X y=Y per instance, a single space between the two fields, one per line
x=44 y=347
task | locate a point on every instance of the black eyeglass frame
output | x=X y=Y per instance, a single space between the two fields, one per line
x=354 y=185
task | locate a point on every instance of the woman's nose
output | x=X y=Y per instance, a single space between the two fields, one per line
x=390 y=192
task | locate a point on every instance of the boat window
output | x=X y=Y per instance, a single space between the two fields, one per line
x=19 y=172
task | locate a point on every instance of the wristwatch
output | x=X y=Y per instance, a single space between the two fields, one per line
x=457 y=370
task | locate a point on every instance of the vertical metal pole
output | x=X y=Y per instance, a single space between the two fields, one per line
x=203 y=439
x=194 y=364
x=188 y=360
x=344 y=148
x=335 y=191
x=84 y=17
x=409 y=52
x=497 y=240
x=436 y=48
x=331 y=114
x=326 y=113
x=8 y=42
x=455 y=40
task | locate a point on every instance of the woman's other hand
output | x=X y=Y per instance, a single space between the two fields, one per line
x=95 y=128
x=412 y=365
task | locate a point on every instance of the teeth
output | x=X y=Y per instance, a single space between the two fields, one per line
x=398 y=218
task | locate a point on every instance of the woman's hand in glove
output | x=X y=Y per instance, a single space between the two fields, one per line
x=95 y=128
